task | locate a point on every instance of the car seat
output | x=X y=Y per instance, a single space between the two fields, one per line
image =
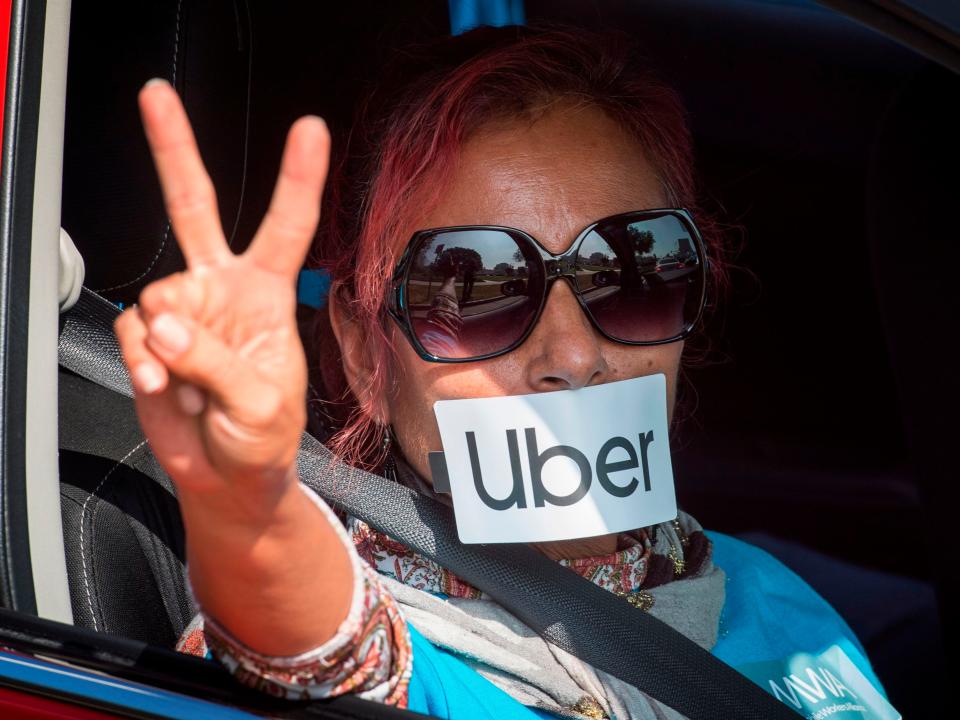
x=122 y=531
x=123 y=536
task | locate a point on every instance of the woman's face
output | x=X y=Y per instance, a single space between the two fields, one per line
x=551 y=177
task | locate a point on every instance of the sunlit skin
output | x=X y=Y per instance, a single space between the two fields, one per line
x=551 y=177
x=219 y=373
x=219 y=377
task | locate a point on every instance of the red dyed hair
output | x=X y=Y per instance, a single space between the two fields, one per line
x=406 y=140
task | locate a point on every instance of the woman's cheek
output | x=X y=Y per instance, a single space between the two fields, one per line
x=629 y=362
x=419 y=384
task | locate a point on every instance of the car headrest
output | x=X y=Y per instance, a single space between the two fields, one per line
x=911 y=190
x=112 y=205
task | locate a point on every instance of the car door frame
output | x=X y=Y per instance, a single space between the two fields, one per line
x=33 y=576
x=32 y=567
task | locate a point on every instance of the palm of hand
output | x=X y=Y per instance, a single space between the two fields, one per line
x=252 y=352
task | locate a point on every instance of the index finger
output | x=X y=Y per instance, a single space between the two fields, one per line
x=187 y=189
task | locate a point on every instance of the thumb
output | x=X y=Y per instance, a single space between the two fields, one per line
x=197 y=356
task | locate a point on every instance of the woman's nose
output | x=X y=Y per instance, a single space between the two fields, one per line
x=564 y=352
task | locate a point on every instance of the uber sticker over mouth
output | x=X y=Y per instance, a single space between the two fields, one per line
x=559 y=465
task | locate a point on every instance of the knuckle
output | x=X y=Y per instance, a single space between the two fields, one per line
x=299 y=175
x=122 y=326
x=128 y=322
x=208 y=367
x=216 y=370
x=129 y=331
x=177 y=144
x=288 y=225
x=161 y=294
x=122 y=321
x=198 y=198
x=266 y=408
x=150 y=297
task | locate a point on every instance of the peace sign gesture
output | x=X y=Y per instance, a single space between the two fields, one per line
x=217 y=365
x=220 y=381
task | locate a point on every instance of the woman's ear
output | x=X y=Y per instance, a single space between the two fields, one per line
x=357 y=364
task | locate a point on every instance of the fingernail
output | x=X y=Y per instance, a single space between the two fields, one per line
x=147 y=378
x=192 y=400
x=170 y=333
x=155 y=81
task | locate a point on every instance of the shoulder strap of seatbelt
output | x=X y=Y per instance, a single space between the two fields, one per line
x=564 y=608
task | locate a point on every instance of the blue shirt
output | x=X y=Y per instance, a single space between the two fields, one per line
x=769 y=613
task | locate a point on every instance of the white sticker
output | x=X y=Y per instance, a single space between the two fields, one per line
x=559 y=465
x=818 y=687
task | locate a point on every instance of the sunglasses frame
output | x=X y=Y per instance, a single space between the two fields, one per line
x=555 y=267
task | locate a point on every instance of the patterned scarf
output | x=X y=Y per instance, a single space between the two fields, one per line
x=644 y=559
x=665 y=570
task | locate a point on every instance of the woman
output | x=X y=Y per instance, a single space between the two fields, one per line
x=547 y=132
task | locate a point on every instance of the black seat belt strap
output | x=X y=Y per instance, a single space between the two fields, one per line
x=564 y=608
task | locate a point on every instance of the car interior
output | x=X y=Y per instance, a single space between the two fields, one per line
x=815 y=414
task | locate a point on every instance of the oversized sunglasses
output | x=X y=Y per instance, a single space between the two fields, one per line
x=476 y=291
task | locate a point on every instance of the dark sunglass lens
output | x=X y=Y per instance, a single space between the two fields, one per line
x=472 y=292
x=642 y=281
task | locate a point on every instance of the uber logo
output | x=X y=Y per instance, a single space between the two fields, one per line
x=636 y=457
x=557 y=465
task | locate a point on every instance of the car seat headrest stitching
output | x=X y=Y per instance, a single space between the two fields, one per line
x=246 y=125
x=166 y=231
x=83 y=513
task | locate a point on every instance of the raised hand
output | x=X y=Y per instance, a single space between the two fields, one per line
x=216 y=361
x=219 y=377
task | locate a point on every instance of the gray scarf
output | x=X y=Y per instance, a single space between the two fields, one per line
x=517 y=660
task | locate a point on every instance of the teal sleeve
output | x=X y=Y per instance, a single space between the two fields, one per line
x=771 y=613
x=444 y=686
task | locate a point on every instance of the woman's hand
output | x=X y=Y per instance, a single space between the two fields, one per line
x=217 y=365
x=219 y=378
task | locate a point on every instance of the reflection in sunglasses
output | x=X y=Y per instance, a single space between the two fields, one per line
x=475 y=291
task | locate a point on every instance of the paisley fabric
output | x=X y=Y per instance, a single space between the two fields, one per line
x=644 y=559
x=371 y=653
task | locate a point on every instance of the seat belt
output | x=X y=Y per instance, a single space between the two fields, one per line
x=562 y=607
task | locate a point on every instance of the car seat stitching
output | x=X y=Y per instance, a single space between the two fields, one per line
x=166 y=232
x=246 y=130
x=163 y=242
x=176 y=42
x=83 y=512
